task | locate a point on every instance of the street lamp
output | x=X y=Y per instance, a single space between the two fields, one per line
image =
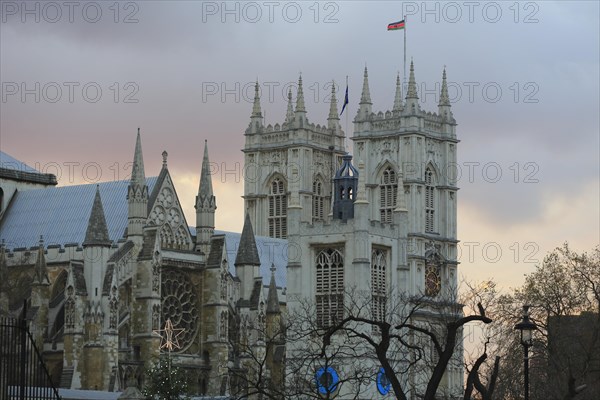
x=526 y=327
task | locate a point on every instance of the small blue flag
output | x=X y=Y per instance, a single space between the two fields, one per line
x=345 y=100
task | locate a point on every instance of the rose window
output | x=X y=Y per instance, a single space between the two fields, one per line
x=179 y=304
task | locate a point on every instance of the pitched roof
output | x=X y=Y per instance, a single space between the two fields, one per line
x=9 y=162
x=11 y=168
x=61 y=214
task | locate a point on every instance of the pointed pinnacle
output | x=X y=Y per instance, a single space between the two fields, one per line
x=289 y=116
x=247 y=252
x=97 y=230
x=444 y=98
x=205 y=188
x=398 y=98
x=138 y=175
x=411 y=93
x=333 y=109
x=256 y=112
x=365 y=97
x=300 y=97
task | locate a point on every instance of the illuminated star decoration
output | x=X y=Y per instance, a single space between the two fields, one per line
x=168 y=340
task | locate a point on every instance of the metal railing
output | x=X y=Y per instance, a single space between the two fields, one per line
x=23 y=373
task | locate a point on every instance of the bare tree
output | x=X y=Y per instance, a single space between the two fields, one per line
x=564 y=294
x=417 y=336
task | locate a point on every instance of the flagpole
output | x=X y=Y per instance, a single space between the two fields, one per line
x=404 y=50
x=346 y=113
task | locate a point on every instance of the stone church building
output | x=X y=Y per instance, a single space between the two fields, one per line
x=103 y=267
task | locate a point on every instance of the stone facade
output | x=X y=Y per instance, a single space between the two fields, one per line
x=101 y=285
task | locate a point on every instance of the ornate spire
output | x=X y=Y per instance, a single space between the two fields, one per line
x=138 y=176
x=164 y=157
x=247 y=252
x=365 y=97
x=256 y=112
x=206 y=204
x=97 y=231
x=411 y=93
x=41 y=273
x=333 y=119
x=289 y=116
x=444 y=98
x=300 y=97
x=398 y=104
x=412 y=99
x=137 y=194
x=272 y=298
x=364 y=109
x=205 y=189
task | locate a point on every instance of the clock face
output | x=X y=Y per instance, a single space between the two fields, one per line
x=433 y=281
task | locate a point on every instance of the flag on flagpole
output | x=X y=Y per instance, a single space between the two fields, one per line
x=345 y=100
x=394 y=26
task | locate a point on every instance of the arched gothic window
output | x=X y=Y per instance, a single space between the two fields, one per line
x=429 y=201
x=388 y=190
x=277 y=209
x=318 y=201
x=330 y=287
x=378 y=283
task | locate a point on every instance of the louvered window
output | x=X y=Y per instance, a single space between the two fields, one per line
x=318 y=201
x=379 y=283
x=429 y=201
x=388 y=190
x=277 y=209
x=330 y=287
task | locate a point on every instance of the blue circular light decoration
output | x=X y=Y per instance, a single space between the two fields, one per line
x=383 y=383
x=327 y=380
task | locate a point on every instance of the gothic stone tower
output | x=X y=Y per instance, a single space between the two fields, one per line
x=392 y=231
x=295 y=158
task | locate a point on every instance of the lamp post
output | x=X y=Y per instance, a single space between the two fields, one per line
x=526 y=327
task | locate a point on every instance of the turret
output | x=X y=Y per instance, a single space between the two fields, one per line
x=345 y=185
x=206 y=204
x=95 y=248
x=137 y=196
x=247 y=262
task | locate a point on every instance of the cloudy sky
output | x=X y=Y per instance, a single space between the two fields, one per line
x=79 y=78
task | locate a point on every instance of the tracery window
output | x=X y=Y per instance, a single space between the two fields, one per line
x=277 y=209
x=388 y=190
x=379 y=283
x=180 y=305
x=330 y=287
x=429 y=201
x=318 y=201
